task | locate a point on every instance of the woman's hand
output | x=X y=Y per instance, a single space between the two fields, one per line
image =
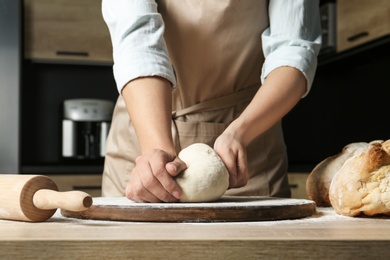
x=149 y=104
x=233 y=154
x=282 y=89
x=151 y=180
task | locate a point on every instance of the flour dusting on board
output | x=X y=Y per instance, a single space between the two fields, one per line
x=226 y=201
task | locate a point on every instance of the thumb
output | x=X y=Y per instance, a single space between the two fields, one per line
x=175 y=167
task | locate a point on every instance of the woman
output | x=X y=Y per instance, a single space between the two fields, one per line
x=218 y=72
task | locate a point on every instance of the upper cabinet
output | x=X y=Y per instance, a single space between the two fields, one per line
x=74 y=30
x=361 y=21
x=66 y=30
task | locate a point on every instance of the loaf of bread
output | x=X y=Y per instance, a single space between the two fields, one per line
x=362 y=184
x=319 y=180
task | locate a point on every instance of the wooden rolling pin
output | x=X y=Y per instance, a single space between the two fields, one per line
x=36 y=198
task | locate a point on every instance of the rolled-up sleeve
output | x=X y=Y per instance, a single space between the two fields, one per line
x=139 y=49
x=293 y=38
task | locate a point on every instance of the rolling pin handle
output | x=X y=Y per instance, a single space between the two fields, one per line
x=69 y=200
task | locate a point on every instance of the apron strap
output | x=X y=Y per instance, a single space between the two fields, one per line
x=226 y=101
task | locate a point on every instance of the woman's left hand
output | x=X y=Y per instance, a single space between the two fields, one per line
x=233 y=154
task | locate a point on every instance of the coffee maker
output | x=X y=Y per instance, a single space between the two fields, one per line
x=85 y=127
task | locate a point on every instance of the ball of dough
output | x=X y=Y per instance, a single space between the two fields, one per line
x=206 y=177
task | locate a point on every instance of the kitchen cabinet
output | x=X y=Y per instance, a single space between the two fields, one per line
x=66 y=30
x=361 y=21
x=297 y=182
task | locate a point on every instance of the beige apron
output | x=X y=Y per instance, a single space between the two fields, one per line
x=215 y=48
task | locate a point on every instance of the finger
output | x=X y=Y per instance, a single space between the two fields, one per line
x=144 y=196
x=150 y=183
x=163 y=187
x=136 y=192
x=175 y=167
x=242 y=169
x=172 y=190
x=165 y=181
x=233 y=180
x=230 y=164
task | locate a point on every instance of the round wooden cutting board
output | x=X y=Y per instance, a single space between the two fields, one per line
x=226 y=209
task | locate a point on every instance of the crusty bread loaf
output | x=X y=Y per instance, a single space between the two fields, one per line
x=319 y=180
x=362 y=184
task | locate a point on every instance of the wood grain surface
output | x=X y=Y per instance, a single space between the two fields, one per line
x=324 y=235
x=226 y=209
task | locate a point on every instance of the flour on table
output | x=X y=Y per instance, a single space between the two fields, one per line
x=225 y=201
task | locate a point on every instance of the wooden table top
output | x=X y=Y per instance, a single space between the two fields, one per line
x=323 y=235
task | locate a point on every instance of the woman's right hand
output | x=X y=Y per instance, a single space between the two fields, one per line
x=149 y=104
x=151 y=180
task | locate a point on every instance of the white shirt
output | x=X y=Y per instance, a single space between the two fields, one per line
x=136 y=28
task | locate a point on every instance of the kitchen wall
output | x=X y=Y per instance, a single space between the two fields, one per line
x=10 y=46
x=349 y=102
x=45 y=87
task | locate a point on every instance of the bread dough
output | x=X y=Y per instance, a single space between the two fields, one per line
x=319 y=180
x=206 y=177
x=362 y=185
